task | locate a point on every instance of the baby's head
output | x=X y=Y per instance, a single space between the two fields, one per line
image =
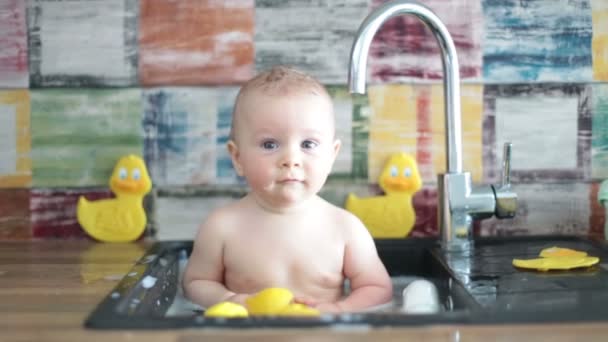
x=282 y=138
x=278 y=83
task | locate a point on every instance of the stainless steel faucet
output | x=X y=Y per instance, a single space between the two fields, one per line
x=459 y=201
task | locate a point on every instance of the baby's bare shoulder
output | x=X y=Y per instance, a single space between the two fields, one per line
x=344 y=219
x=221 y=220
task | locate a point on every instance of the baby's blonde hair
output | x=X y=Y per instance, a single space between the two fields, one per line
x=280 y=80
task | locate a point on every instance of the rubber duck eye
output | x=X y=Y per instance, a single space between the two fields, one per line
x=136 y=174
x=122 y=173
x=394 y=171
x=407 y=172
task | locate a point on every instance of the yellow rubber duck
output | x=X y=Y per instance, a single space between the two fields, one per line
x=391 y=215
x=121 y=219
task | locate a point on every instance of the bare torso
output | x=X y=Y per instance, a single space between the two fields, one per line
x=302 y=252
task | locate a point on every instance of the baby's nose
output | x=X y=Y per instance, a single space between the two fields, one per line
x=291 y=158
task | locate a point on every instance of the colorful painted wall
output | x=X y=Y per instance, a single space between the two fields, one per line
x=85 y=82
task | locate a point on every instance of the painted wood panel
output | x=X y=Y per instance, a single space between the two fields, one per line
x=13 y=45
x=79 y=134
x=343 y=110
x=556 y=208
x=82 y=42
x=597 y=219
x=180 y=135
x=600 y=39
x=361 y=115
x=54 y=212
x=392 y=125
x=599 y=144
x=180 y=217
x=15 y=214
x=471 y=104
x=549 y=126
x=15 y=161
x=196 y=42
x=312 y=35
x=225 y=173
x=411 y=119
x=542 y=40
x=425 y=206
x=404 y=49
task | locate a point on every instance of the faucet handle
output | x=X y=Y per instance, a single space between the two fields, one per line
x=506 y=199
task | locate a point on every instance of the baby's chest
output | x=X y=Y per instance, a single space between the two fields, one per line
x=283 y=250
x=284 y=258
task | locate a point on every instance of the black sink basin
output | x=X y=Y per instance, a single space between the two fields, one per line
x=421 y=259
x=136 y=304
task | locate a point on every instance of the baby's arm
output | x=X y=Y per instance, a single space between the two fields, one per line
x=369 y=280
x=203 y=278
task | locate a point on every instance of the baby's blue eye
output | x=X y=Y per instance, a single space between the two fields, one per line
x=136 y=174
x=309 y=144
x=394 y=171
x=122 y=173
x=270 y=145
x=407 y=172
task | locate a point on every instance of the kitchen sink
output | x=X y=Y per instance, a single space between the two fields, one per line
x=479 y=286
x=150 y=297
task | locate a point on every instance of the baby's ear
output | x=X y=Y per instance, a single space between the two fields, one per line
x=233 y=149
x=337 y=145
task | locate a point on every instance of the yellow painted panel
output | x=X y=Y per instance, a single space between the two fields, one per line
x=471 y=99
x=22 y=177
x=600 y=39
x=392 y=125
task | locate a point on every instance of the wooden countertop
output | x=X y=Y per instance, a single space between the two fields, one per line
x=48 y=288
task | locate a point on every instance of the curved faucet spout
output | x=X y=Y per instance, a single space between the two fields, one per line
x=451 y=78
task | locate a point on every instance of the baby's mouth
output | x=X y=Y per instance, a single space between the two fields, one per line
x=289 y=181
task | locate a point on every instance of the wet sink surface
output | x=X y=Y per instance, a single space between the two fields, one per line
x=489 y=276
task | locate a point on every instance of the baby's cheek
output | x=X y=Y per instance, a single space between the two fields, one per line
x=258 y=178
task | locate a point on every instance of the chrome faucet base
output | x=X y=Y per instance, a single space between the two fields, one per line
x=459 y=203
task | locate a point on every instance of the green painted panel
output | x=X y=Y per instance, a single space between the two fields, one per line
x=79 y=134
x=599 y=141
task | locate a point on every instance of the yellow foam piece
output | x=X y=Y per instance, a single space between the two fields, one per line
x=270 y=301
x=556 y=263
x=561 y=252
x=226 y=310
x=557 y=258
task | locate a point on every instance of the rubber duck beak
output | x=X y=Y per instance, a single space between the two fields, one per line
x=398 y=183
x=126 y=185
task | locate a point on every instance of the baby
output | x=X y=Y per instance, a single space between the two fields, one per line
x=282 y=234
